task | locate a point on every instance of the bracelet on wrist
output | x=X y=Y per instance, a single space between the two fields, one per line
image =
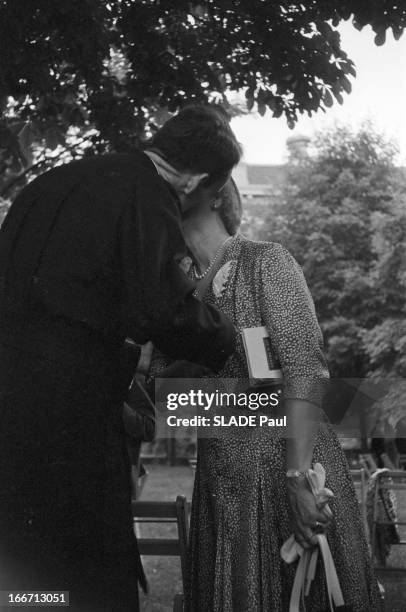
x=295 y=474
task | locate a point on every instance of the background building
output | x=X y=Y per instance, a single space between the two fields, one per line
x=261 y=186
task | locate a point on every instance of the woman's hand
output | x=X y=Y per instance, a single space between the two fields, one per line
x=308 y=519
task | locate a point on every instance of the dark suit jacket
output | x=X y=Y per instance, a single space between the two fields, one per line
x=98 y=242
x=88 y=256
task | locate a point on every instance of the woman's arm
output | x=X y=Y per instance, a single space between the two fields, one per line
x=303 y=420
x=288 y=312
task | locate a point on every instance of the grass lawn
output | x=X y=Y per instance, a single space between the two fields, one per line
x=163 y=573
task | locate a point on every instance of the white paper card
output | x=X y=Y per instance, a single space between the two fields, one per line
x=257 y=346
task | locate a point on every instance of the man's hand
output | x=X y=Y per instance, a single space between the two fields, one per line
x=144 y=361
x=184 y=369
x=307 y=518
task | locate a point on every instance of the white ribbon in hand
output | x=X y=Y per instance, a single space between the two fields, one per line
x=306 y=569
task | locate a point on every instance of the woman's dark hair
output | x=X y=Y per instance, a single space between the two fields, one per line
x=230 y=210
x=199 y=138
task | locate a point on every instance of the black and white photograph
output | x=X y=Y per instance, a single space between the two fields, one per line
x=203 y=305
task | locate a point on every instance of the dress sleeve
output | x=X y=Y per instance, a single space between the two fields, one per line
x=288 y=312
x=157 y=301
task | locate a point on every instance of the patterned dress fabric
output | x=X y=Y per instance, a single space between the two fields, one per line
x=240 y=512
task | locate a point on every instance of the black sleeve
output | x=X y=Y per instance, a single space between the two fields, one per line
x=139 y=415
x=198 y=333
x=157 y=302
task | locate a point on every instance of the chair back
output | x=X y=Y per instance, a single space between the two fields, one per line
x=164 y=512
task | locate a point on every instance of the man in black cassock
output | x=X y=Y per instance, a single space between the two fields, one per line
x=89 y=255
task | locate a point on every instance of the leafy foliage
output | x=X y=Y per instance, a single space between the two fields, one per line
x=343 y=218
x=120 y=66
x=386 y=342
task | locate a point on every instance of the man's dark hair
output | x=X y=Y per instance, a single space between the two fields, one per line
x=230 y=210
x=199 y=139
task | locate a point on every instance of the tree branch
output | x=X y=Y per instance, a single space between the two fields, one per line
x=13 y=181
x=18 y=178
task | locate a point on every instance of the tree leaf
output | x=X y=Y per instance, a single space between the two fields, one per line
x=380 y=37
x=346 y=84
x=261 y=108
x=327 y=98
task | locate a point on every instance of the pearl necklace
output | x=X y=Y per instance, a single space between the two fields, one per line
x=200 y=276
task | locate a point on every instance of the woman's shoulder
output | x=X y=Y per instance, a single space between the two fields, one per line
x=267 y=253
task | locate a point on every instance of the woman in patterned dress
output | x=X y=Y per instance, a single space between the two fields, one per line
x=244 y=505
